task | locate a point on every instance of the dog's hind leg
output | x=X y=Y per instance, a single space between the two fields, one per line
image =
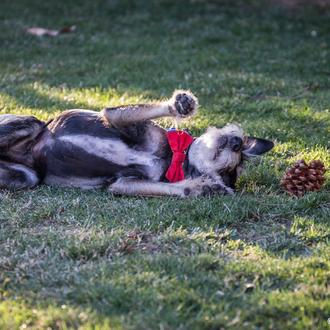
x=182 y=104
x=15 y=176
x=17 y=135
x=14 y=129
x=201 y=186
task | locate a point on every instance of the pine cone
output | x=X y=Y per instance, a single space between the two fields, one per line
x=303 y=177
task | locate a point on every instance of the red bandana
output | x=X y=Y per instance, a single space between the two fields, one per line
x=179 y=142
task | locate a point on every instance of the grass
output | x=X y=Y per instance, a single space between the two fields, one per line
x=89 y=260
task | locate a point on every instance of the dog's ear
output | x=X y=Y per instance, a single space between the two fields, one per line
x=255 y=146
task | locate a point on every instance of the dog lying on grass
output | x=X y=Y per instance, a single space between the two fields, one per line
x=122 y=150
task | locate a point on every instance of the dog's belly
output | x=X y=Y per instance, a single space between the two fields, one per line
x=112 y=150
x=88 y=157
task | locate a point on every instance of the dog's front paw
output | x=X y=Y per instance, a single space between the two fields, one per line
x=206 y=186
x=183 y=104
x=219 y=187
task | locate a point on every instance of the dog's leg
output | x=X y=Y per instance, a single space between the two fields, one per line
x=182 y=104
x=15 y=176
x=202 y=186
x=14 y=129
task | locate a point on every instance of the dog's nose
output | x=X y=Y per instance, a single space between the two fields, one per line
x=236 y=143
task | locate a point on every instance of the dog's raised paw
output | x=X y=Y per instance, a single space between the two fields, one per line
x=183 y=104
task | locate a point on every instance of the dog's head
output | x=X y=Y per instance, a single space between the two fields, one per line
x=223 y=151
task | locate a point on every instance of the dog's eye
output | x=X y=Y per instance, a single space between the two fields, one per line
x=223 y=140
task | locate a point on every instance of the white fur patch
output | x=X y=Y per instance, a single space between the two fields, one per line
x=210 y=138
x=112 y=150
x=232 y=129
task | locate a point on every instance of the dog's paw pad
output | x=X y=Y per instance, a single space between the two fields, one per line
x=207 y=191
x=186 y=192
x=217 y=187
x=184 y=104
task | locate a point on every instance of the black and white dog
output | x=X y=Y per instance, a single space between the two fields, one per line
x=122 y=150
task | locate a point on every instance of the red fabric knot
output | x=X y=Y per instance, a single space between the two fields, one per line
x=178 y=157
x=179 y=142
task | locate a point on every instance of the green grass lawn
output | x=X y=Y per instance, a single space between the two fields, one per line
x=260 y=260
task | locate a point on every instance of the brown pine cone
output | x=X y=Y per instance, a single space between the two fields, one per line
x=303 y=177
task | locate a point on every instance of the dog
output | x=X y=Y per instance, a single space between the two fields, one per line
x=122 y=150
